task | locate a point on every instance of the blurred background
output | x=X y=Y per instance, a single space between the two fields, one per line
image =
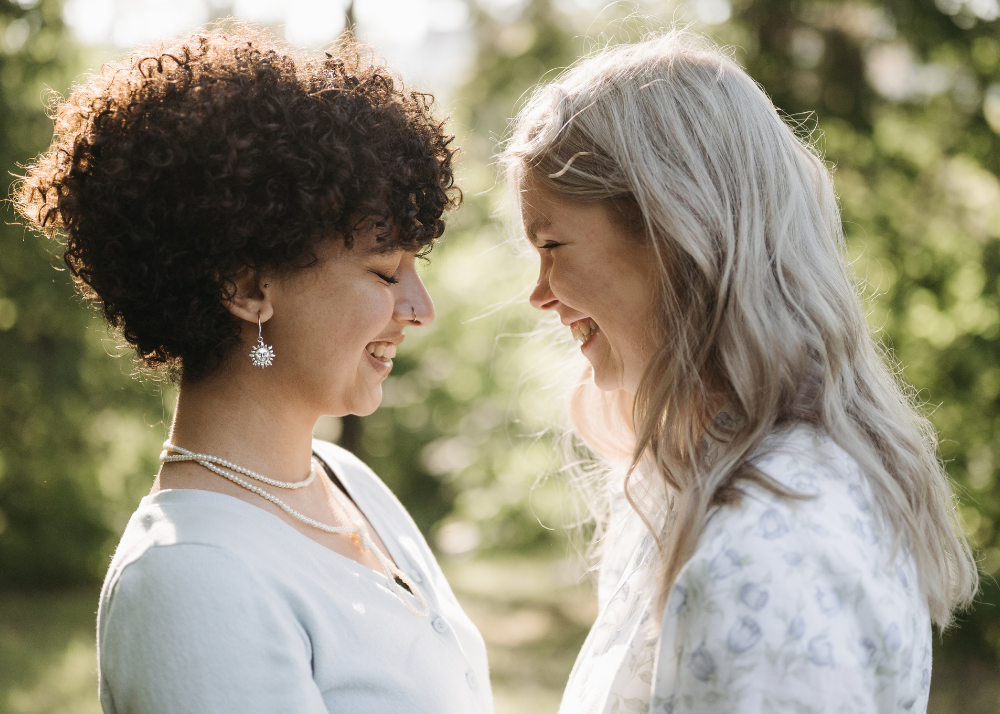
x=903 y=96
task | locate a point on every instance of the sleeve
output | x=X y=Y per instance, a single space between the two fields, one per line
x=744 y=633
x=189 y=628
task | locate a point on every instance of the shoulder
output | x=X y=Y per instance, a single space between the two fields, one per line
x=799 y=592
x=205 y=525
x=181 y=574
x=184 y=545
x=833 y=514
x=189 y=592
x=187 y=553
x=830 y=536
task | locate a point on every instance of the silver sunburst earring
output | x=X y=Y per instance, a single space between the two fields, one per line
x=262 y=355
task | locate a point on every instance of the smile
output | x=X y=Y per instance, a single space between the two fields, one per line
x=382 y=351
x=583 y=330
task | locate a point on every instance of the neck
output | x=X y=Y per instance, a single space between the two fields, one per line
x=247 y=421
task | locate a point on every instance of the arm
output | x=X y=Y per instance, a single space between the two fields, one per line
x=189 y=628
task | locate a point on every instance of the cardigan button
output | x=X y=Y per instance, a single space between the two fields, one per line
x=471 y=679
x=416 y=576
x=439 y=625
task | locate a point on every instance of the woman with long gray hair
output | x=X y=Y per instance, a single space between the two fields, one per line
x=784 y=535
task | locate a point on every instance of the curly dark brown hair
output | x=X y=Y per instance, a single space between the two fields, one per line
x=183 y=164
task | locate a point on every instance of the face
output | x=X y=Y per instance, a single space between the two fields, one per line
x=337 y=325
x=597 y=277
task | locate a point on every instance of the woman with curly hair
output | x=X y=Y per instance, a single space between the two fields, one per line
x=784 y=536
x=250 y=219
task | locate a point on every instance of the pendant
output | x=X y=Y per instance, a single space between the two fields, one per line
x=262 y=355
x=356 y=537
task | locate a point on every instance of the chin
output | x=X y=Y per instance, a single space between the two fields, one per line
x=367 y=404
x=606 y=382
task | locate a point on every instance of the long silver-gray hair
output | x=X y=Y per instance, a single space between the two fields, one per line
x=757 y=312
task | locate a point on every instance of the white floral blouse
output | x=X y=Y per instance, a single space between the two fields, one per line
x=786 y=606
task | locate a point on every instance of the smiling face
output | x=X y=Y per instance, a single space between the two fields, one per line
x=337 y=324
x=597 y=276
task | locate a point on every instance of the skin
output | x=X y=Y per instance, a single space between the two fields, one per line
x=319 y=321
x=592 y=268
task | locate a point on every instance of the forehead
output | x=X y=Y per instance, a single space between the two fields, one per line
x=541 y=212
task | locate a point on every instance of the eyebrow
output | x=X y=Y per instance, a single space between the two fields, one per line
x=385 y=247
x=532 y=227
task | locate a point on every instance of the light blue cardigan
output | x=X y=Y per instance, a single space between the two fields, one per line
x=214 y=605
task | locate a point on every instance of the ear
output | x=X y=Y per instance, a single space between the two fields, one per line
x=251 y=297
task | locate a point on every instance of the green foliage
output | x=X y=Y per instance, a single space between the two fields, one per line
x=452 y=436
x=462 y=436
x=916 y=169
x=71 y=421
x=904 y=100
x=463 y=432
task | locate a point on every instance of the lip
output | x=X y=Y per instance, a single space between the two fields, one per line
x=383 y=368
x=394 y=339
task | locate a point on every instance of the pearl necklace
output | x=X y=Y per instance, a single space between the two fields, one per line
x=185 y=455
x=358 y=531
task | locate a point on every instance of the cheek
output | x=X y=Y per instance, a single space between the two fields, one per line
x=601 y=291
x=368 y=311
x=579 y=284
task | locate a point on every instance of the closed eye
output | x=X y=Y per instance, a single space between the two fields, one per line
x=549 y=245
x=389 y=279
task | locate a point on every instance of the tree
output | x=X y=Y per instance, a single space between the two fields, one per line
x=72 y=438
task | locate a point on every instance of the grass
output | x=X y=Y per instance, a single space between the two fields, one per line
x=534 y=615
x=48 y=661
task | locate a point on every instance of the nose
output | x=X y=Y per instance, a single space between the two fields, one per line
x=415 y=305
x=541 y=297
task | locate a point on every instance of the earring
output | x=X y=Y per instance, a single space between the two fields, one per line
x=262 y=355
x=413 y=310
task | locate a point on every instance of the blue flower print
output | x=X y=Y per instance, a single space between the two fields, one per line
x=868 y=650
x=766 y=611
x=893 y=640
x=772 y=525
x=678 y=599
x=819 y=530
x=858 y=496
x=725 y=564
x=828 y=600
x=805 y=484
x=820 y=651
x=702 y=664
x=753 y=597
x=744 y=635
x=866 y=529
x=905 y=581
